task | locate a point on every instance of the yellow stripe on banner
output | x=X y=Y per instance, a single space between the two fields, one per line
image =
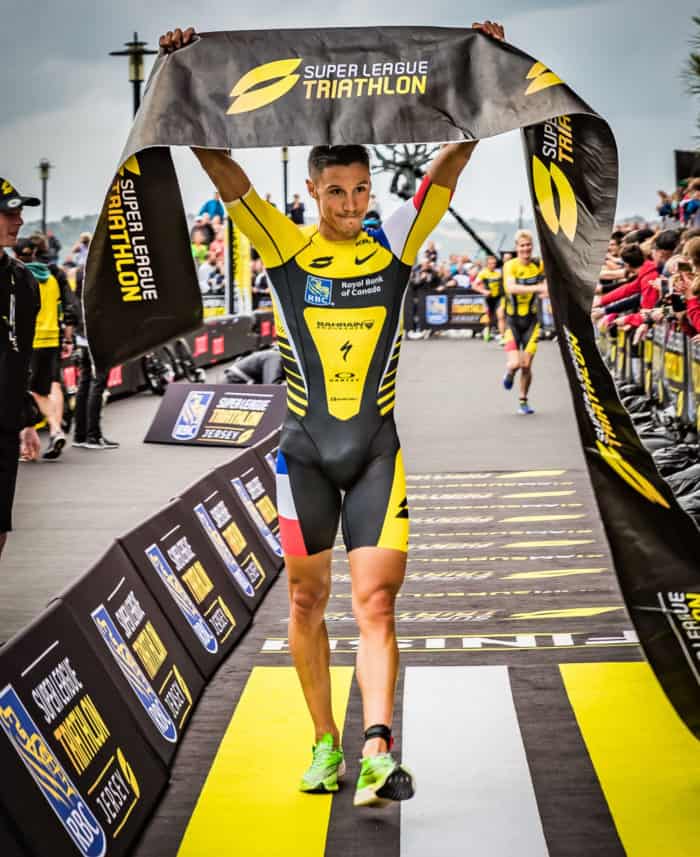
x=531 y=473
x=533 y=518
x=250 y=803
x=647 y=762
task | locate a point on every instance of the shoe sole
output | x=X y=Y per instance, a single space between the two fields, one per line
x=330 y=784
x=53 y=453
x=398 y=786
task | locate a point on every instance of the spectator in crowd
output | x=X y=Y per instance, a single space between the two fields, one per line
x=430 y=253
x=218 y=245
x=199 y=248
x=268 y=198
x=664 y=207
x=689 y=279
x=262 y=295
x=87 y=428
x=80 y=249
x=295 y=210
x=19 y=306
x=54 y=248
x=205 y=227
x=206 y=272
x=213 y=207
x=53 y=340
x=690 y=205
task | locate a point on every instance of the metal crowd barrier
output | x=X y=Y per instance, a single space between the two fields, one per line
x=665 y=364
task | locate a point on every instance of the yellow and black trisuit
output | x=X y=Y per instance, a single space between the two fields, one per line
x=493 y=280
x=523 y=327
x=339 y=316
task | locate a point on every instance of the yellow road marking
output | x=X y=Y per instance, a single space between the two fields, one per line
x=550 y=543
x=529 y=518
x=531 y=473
x=556 y=572
x=526 y=494
x=250 y=803
x=647 y=762
x=566 y=613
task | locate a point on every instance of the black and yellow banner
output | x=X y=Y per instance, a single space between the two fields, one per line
x=302 y=87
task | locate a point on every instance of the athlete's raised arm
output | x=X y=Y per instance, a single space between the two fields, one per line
x=227 y=176
x=447 y=167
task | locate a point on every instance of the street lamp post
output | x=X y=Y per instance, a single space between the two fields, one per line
x=136 y=51
x=44 y=169
x=285 y=164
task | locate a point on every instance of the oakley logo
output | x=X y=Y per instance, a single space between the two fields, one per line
x=366 y=258
x=543 y=180
x=542 y=78
x=321 y=262
x=345 y=349
x=248 y=94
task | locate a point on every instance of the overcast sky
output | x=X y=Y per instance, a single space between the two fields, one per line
x=64 y=98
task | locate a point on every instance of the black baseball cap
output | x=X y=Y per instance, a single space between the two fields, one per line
x=11 y=199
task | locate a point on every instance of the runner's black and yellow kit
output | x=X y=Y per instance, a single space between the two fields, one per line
x=493 y=280
x=339 y=317
x=521 y=310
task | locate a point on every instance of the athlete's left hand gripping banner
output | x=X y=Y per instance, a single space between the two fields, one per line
x=401 y=85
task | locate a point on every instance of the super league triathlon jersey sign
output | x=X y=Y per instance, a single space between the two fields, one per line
x=217 y=414
x=78 y=777
x=404 y=85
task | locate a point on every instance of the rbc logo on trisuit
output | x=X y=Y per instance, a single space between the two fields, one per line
x=318 y=291
x=192 y=414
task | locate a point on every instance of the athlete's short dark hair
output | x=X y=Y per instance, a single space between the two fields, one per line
x=632 y=255
x=321 y=157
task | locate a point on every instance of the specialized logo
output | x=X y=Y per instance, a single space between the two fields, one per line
x=133 y=674
x=319 y=291
x=542 y=180
x=403 y=509
x=182 y=599
x=321 y=262
x=542 y=78
x=359 y=261
x=223 y=550
x=344 y=376
x=248 y=94
x=52 y=780
x=192 y=414
x=345 y=349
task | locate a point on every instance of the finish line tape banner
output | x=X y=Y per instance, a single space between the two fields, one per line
x=409 y=85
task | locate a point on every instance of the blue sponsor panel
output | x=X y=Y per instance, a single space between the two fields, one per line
x=79 y=778
x=137 y=645
x=201 y=599
x=192 y=414
x=248 y=480
x=319 y=291
x=436 y=311
x=233 y=537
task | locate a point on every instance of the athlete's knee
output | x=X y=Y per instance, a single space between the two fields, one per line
x=375 y=606
x=308 y=599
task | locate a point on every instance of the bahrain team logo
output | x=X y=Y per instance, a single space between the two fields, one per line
x=192 y=414
x=545 y=181
x=134 y=674
x=542 y=78
x=47 y=772
x=248 y=94
x=318 y=291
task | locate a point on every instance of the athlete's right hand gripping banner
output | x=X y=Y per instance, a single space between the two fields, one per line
x=404 y=85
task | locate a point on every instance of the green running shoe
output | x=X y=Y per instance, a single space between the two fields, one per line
x=383 y=780
x=327 y=766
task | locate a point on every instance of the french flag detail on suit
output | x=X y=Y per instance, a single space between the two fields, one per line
x=290 y=531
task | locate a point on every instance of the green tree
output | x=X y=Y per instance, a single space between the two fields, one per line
x=691 y=69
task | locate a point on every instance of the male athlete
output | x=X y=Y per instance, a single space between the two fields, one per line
x=490 y=279
x=524 y=282
x=338 y=291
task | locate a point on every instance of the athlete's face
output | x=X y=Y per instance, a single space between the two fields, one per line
x=524 y=249
x=491 y=263
x=342 y=195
